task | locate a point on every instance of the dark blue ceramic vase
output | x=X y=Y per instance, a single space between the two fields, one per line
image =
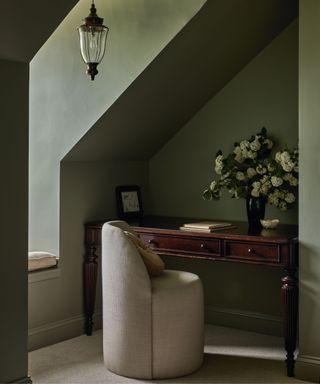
x=256 y=207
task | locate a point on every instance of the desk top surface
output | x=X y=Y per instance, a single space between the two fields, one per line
x=170 y=225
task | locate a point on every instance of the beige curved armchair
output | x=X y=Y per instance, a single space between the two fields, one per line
x=152 y=327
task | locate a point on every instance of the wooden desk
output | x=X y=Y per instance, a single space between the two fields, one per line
x=277 y=248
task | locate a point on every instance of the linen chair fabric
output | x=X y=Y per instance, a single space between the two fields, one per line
x=152 y=327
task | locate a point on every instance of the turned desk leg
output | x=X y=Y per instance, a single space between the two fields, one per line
x=289 y=296
x=90 y=282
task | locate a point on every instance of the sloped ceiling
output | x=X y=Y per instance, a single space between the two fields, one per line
x=26 y=25
x=218 y=42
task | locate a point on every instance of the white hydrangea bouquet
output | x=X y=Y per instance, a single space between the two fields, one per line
x=251 y=171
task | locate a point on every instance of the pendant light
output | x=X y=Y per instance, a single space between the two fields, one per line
x=93 y=38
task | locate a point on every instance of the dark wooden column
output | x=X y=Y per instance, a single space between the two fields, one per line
x=289 y=296
x=90 y=282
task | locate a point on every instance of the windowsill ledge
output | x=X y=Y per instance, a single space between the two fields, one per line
x=44 y=274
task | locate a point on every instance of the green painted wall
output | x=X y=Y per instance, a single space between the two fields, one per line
x=14 y=219
x=64 y=103
x=264 y=93
x=308 y=366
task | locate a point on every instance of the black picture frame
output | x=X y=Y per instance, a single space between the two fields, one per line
x=129 y=204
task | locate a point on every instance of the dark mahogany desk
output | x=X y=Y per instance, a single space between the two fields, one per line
x=278 y=248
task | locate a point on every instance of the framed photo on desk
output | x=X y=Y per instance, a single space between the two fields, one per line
x=129 y=204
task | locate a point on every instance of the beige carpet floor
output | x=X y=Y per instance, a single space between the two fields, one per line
x=231 y=356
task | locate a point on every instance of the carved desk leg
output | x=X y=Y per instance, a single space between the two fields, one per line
x=289 y=295
x=90 y=282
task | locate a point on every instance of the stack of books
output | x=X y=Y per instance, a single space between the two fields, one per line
x=206 y=226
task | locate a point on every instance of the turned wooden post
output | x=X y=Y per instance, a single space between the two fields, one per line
x=289 y=297
x=90 y=282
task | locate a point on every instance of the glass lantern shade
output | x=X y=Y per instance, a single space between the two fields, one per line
x=93 y=39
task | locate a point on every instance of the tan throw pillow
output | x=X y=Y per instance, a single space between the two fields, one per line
x=152 y=260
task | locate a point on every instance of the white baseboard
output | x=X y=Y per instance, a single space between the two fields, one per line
x=57 y=331
x=308 y=368
x=247 y=320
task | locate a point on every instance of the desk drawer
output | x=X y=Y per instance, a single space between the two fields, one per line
x=252 y=252
x=181 y=245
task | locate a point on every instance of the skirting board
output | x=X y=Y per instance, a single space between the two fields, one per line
x=308 y=368
x=249 y=321
x=25 y=380
x=74 y=326
x=55 y=332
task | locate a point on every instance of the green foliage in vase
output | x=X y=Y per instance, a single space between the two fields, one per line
x=251 y=170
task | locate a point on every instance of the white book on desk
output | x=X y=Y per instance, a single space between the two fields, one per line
x=206 y=230
x=210 y=225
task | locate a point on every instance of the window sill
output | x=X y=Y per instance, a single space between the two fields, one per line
x=45 y=274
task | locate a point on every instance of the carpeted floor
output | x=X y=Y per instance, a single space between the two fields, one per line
x=231 y=356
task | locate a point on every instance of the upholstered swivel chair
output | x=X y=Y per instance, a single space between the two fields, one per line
x=152 y=326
